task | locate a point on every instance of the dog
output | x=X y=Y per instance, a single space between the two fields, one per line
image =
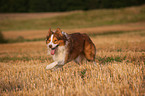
x=65 y=47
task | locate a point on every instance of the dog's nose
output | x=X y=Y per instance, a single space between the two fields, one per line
x=50 y=46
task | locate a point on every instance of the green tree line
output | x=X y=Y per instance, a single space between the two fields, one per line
x=62 y=5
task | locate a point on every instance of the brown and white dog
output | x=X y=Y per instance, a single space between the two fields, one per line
x=65 y=47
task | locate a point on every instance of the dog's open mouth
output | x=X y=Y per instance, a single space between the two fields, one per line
x=53 y=50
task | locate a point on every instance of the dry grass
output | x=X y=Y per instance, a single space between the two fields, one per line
x=120 y=69
x=31 y=78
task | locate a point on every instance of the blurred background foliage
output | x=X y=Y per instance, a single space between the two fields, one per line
x=61 y=5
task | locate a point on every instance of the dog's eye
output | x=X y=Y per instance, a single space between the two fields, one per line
x=55 y=41
x=47 y=41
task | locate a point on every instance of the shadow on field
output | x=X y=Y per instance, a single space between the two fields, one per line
x=18 y=39
x=2 y=40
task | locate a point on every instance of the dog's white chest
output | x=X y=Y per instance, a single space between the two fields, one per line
x=60 y=54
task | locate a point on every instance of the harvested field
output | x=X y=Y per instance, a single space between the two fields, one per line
x=119 y=37
x=120 y=69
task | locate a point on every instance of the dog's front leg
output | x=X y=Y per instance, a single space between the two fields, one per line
x=50 y=66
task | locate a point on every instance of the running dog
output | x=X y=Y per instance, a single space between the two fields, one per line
x=65 y=47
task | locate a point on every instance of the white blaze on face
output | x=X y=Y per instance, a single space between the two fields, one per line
x=51 y=42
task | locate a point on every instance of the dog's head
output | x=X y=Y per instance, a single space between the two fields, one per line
x=54 y=39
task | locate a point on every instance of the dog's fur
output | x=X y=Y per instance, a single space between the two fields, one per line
x=65 y=47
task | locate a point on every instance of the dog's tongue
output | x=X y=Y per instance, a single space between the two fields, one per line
x=53 y=51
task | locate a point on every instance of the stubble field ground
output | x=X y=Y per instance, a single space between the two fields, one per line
x=120 y=63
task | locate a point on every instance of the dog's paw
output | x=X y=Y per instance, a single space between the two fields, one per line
x=48 y=67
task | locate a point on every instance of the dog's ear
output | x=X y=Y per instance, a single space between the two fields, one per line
x=58 y=31
x=49 y=32
x=49 y=29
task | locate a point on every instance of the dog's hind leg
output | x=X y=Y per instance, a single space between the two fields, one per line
x=89 y=50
